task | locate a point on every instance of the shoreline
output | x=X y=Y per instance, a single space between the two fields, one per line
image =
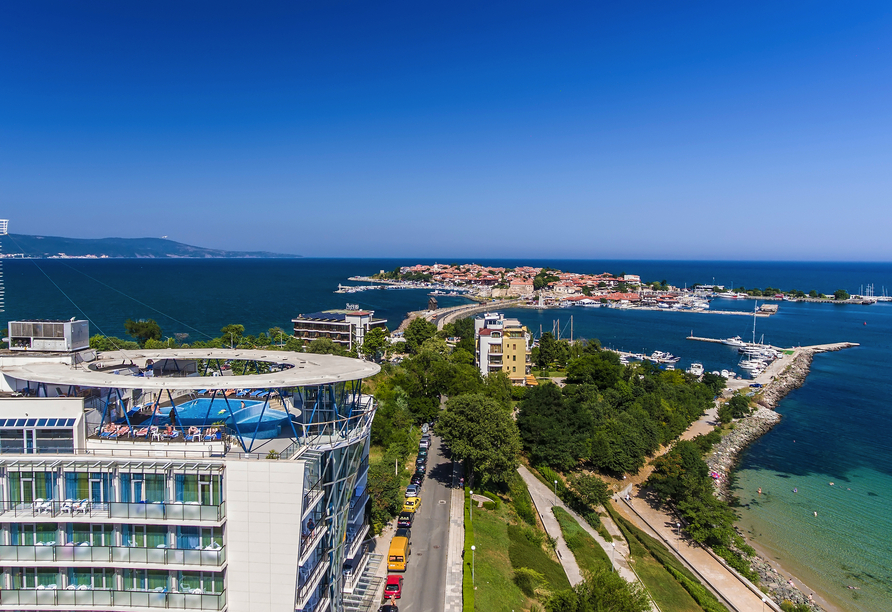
x=723 y=460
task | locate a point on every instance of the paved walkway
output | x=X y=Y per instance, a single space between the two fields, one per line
x=545 y=500
x=730 y=587
x=456 y=546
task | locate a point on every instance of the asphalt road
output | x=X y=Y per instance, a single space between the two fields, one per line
x=425 y=578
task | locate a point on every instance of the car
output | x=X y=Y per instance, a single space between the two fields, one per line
x=388 y=608
x=418 y=479
x=405 y=519
x=424 y=444
x=422 y=452
x=412 y=504
x=393 y=589
x=402 y=532
x=412 y=491
x=421 y=464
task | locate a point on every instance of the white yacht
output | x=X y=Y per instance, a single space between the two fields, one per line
x=696 y=369
x=735 y=341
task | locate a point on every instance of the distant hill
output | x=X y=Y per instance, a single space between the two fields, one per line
x=55 y=246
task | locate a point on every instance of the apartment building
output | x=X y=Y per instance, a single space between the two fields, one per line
x=502 y=345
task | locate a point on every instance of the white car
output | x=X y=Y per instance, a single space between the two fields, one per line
x=412 y=491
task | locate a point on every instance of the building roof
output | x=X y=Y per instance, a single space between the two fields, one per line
x=302 y=369
x=333 y=315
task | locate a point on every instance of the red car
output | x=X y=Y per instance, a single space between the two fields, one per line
x=394 y=587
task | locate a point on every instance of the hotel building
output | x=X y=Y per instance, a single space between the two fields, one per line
x=503 y=345
x=345 y=327
x=138 y=480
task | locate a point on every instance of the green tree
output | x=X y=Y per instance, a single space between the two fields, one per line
x=602 y=591
x=601 y=369
x=232 y=334
x=325 y=346
x=554 y=431
x=839 y=294
x=143 y=330
x=110 y=343
x=544 y=278
x=592 y=490
x=419 y=330
x=812 y=294
x=547 y=351
x=385 y=493
x=374 y=343
x=482 y=433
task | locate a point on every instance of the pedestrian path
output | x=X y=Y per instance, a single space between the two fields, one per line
x=544 y=499
x=456 y=546
x=734 y=590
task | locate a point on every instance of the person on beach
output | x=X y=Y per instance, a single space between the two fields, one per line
x=760 y=490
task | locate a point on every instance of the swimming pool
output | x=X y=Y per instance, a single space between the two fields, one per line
x=248 y=415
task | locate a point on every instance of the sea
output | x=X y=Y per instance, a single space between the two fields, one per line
x=829 y=455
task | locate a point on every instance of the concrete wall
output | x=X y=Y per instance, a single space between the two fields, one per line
x=263 y=506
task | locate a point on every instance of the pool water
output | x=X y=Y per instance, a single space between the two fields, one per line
x=250 y=416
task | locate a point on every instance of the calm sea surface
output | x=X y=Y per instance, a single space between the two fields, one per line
x=836 y=428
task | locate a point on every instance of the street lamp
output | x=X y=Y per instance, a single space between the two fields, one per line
x=473 y=548
x=764 y=601
x=613 y=555
x=555 y=492
x=230 y=340
x=472 y=507
x=678 y=536
x=168 y=341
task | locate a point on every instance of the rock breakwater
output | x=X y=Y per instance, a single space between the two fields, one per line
x=724 y=454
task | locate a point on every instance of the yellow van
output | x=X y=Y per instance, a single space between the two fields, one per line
x=398 y=555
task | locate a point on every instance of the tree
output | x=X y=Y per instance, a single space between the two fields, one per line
x=601 y=369
x=812 y=294
x=602 y=590
x=554 y=431
x=375 y=342
x=385 y=493
x=547 y=351
x=419 y=330
x=482 y=433
x=110 y=343
x=841 y=294
x=143 y=330
x=592 y=490
x=325 y=346
x=543 y=279
x=232 y=334
x=715 y=382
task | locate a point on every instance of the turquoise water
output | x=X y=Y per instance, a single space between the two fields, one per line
x=841 y=419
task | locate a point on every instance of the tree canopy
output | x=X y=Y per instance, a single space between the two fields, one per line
x=143 y=330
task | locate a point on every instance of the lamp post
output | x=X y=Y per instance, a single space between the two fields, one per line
x=230 y=340
x=764 y=601
x=613 y=555
x=473 y=548
x=678 y=536
x=555 y=492
x=168 y=341
x=471 y=501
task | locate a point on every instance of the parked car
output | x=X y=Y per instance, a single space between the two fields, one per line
x=405 y=519
x=418 y=479
x=412 y=490
x=424 y=443
x=421 y=464
x=388 y=608
x=422 y=452
x=412 y=504
x=402 y=532
x=393 y=589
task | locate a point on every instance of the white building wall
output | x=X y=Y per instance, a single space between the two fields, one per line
x=263 y=506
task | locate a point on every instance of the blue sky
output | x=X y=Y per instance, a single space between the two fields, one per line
x=694 y=130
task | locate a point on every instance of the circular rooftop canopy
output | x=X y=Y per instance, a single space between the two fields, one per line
x=300 y=369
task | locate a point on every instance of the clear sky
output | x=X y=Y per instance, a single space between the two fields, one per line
x=701 y=130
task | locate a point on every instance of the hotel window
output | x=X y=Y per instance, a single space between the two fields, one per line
x=86 y=534
x=195 y=538
x=98 y=578
x=30 y=534
x=144 y=536
x=200 y=582
x=146 y=580
x=95 y=486
x=514 y=368
x=31 y=578
x=149 y=488
x=201 y=488
x=25 y=487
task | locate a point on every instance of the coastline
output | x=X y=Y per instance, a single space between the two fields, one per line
x=778 y=580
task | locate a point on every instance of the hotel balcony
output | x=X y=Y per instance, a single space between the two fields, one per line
x=48 y=555
x=129 y=601
x=309 y=580
x=86 y=511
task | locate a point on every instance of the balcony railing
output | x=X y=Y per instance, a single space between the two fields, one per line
x=175 y=511
x=100 y=599
x=111 y=554
x=311 y=582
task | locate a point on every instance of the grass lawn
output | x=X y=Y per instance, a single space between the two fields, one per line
x=494 y=574
x=589 y=554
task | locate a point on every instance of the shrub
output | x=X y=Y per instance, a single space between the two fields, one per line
x=528 y=580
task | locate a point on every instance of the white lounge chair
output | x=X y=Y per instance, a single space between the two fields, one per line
x=67 y=506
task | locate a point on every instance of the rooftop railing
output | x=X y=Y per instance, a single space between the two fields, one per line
x=99 y=599
x=66 y=554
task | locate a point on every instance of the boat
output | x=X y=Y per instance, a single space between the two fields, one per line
x=735 y=341
x=696 y=369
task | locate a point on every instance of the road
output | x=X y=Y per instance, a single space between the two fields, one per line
x=425 y=577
